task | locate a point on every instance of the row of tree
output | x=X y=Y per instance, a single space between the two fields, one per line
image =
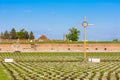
x=73 y=34
x=13 y=34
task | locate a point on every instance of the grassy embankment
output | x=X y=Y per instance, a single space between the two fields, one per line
x=64 y=42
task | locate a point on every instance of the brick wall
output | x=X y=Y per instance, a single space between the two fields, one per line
x=61 y=47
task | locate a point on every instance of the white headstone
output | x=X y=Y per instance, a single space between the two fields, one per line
x=90 y=59
x=94 y=59
x=8 y=60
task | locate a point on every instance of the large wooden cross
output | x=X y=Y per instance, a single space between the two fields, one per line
x=85 y=24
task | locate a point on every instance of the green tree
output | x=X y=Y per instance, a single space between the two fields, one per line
x=2 y=35
x=13 y=33
x=31 y=35
x=19 y=35
x=6 y=35
x=26 y=35
x=73 y=34
x=115 y=40
x=22 y=34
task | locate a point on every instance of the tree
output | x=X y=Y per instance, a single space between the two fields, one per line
x=13 y=34
x=6 y=35
x=115 y=40
x=22 y=34
x=73 y=34
x=2 y=35
x=26 y=35
x=31 y=35
x=19 y=35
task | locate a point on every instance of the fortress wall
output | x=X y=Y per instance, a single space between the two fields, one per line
x=25 y=47
x=89 y=47
x=61 y=47
x=11 y=47
x=5 y=47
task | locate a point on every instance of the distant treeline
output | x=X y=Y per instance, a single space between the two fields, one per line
x=13 y=34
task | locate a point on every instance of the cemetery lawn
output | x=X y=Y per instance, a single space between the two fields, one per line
x=60 y=66
x=3 y=76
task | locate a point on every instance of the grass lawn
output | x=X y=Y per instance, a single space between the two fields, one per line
x=3 y=76
x=60 y=66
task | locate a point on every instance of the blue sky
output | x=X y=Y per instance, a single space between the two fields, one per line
x=55 y=17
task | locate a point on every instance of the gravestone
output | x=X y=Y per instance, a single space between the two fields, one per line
x=8 y=60
x=96 y=60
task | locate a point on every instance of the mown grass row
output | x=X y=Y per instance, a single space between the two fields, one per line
x=63 y=71
x=60 y=66
x=3 y=76
x=60 y=56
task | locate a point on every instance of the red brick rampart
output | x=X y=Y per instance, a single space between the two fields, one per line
x=60 y=47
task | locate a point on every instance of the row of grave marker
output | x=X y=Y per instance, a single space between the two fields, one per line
x=96 y=60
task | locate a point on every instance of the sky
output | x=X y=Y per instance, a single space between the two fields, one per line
x=54 y=18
